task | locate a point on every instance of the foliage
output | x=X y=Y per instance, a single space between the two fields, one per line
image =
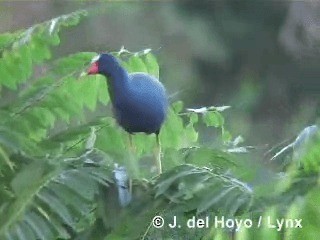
x=58 y=148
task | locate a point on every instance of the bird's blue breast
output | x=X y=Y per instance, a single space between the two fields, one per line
x=142 y=106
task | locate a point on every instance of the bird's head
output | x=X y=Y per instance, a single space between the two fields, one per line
x=104 y=63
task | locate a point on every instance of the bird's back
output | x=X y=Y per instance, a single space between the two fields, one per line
x=147 y=88
x=143 y=105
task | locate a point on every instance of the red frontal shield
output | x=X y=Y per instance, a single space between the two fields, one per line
x=94 y=68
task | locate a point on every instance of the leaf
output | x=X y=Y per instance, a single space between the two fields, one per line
x=103 y=94
x=33 y=196
x=73 y=62
x=306 y=209
x=89 y=92
x=202 y=189
x=213 y=198
x=39 y=225
x=22 y=183
x=214 y=119
x=56 y=206
x=71 y=198
x=177 y=106
x=6 y=159
x=193 y=118
x=24 y=232
x=170 y=177
x=207 y=157
x=78 y=182
x=171 y=131
x=112 y=140
x=152 y=65
x=226 y=135
x=136 y=64
x=267 y=232
x=191 y=133
x=6 y=39
x=30 y=46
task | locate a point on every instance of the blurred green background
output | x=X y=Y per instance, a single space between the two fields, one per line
x=260 y=57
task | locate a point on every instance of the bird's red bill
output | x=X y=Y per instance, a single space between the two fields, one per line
x=94 y=69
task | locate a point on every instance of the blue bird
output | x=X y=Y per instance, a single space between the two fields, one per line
x=139 y=100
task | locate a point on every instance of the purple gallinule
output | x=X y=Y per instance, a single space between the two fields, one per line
x=139 y=100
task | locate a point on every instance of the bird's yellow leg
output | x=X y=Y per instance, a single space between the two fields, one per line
x=158 y=154
x=131 y=146
x=132 y=161
x=132 y=153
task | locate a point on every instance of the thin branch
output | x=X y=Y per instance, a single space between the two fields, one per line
x=83 y=139
x=43 y=95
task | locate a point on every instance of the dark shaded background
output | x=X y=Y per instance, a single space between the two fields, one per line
x=262 y=58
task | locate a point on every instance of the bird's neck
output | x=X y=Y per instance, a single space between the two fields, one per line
x=117 y=82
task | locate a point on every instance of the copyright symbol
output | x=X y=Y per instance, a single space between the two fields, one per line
x=158 y=222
